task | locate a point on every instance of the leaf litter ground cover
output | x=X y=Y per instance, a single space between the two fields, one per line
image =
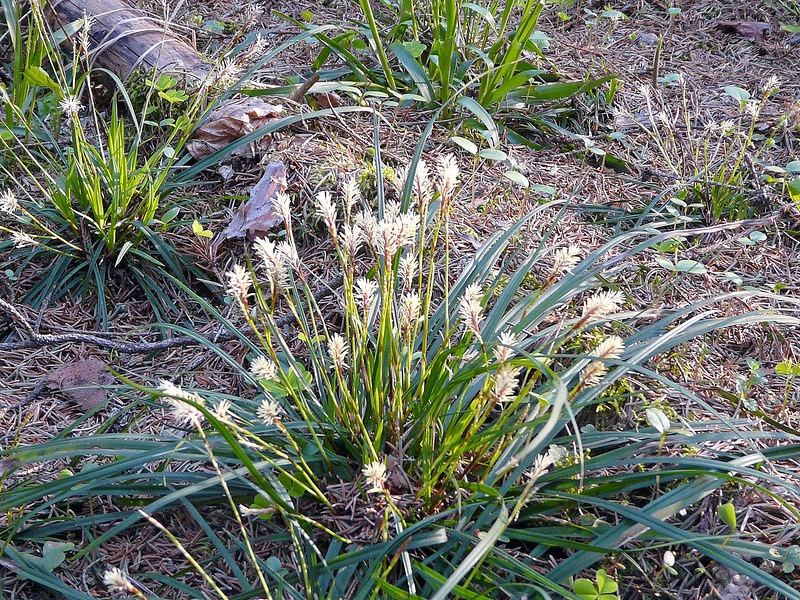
x=735 y=371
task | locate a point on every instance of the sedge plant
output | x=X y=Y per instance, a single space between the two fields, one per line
x=711 y=162
x=447 y=407
x=85 y=184
x=446 y=53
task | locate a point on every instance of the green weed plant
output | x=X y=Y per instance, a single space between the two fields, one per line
x=444 y=404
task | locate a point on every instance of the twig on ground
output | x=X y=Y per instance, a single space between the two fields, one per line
x=37 y=340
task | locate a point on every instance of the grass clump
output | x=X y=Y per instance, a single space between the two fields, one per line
x=86 y=181
x=442 y=409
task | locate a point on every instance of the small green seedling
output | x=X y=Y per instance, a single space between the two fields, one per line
x=658 y=420
x=727 y=515
x=790 y=557
x=198 y=230
x=53 y=554
x=669 y=562
x=604 y=588
x=754 y=238
x=681 y=266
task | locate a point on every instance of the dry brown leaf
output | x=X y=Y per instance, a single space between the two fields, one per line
x=80 y=382
x=752 y=30
x=257 y=216
x=328 y=100
x=228 y=122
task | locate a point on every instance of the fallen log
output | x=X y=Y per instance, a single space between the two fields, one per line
x=123 y=39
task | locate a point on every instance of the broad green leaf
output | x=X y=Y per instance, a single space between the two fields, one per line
x=198 y=230
x=664 y=263
x=547 y=190
x=794 y=189
x=483 y=12
x=417 y=72
x=585 y=588
x=416 y=48
x=783 y=368
x=466 y=144
x=737 y=93
x=170 y=214
x=605 y=585
x=493 y=154
x=485 y=118
x=122 y=252
x=517 y=178
x=690 y=266
x=38 y=76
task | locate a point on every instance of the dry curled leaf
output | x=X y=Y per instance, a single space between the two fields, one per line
x=257 y=216
x=229 y=122
x=752 y=30
x=81 y=382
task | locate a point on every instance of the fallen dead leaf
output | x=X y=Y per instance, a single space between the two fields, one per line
x=752 y=30
x=81 y=382
x=328 y=100
x=257 y=216
x=229 y=122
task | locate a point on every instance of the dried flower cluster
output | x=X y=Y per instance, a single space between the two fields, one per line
x=178 y=399
x=337 y=350
x=598 y=306
x=375 y=474
x=609 y=349
x=269 y=412
x=471 y=310
x=263 y=368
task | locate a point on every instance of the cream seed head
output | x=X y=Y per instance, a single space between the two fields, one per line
x=470 y=309
x=227 y=72
x=369 y=225
x=395 y=233
x=410 y=305
x=351 y=193
x=269 y=412
x=289 y=254
x=22 y=240
x=70 y=106
x=263 y=368
x=449 y=173
x=772 y=84
x=337 y=350
x=8 y=201
x=239 y=282
x=223 y=410
x=177 y=398
x=422 y=186
x=274 y=262
x=564 y=260
x=504 y=349
x=375 y=474
x=610 y=348
x=366 y=293
x=594 y=373
x=505 y=383
x=116 y=581
x=599 y=305
x=408 y=269
x=283 y=206
x=351 y=237
x=327 y=210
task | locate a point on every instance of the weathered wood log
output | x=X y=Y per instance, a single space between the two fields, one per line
x=123 y=39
